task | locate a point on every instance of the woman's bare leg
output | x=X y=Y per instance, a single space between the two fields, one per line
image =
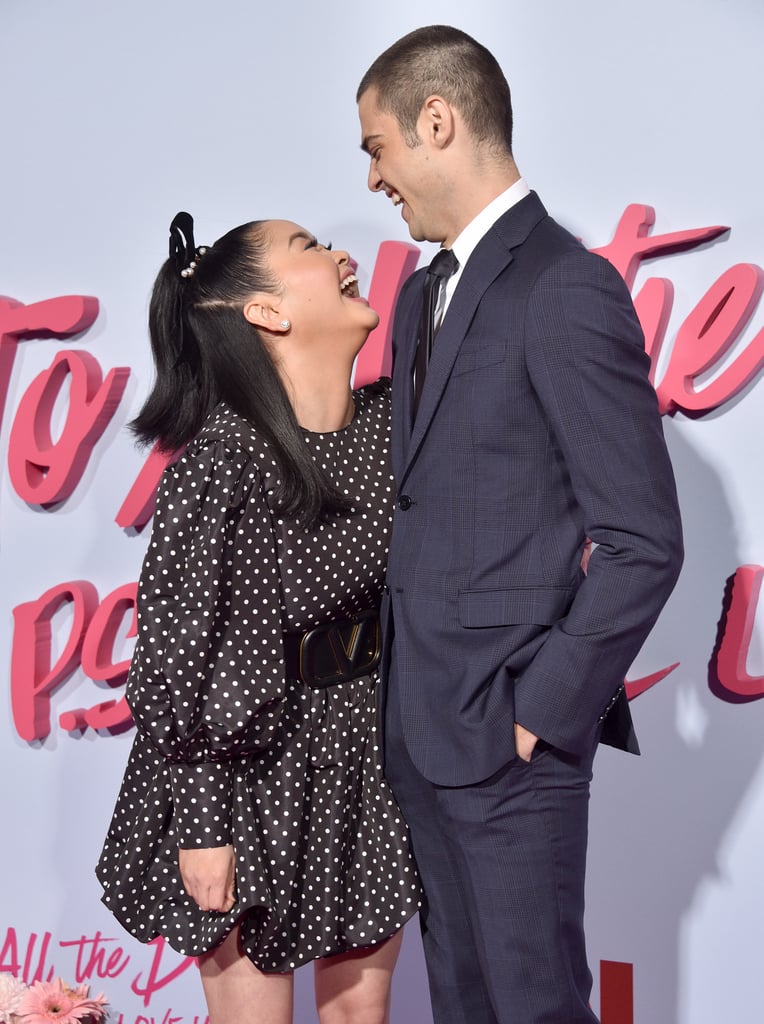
x=354 y=988
x=236 y=991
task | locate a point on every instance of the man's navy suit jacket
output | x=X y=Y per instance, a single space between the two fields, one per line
x=538 y=427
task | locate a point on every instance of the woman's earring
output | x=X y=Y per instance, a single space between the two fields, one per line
x=286 y=324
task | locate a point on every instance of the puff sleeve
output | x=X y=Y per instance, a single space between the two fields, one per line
x=207 y=676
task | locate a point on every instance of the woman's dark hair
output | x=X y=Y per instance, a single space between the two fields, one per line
x=206 y=352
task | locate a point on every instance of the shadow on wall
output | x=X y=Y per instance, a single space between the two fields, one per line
x=658 y=821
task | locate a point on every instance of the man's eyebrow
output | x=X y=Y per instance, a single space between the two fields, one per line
x=366 y=144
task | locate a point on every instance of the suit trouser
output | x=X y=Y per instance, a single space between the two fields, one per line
x=502 y=865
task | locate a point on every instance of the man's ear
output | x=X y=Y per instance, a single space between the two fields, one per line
x=436 y=121
x=261 y=310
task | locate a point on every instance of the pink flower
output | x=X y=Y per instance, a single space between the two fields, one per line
x=47 y=1001
x=11 y=991
x=89 y=1010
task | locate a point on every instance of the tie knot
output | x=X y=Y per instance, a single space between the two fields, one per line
x=444 y=264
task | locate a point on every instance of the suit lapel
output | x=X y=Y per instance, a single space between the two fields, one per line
x=490 y=257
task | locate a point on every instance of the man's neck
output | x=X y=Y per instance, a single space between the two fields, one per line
x=476 y=187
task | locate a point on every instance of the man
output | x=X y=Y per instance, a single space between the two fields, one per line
x=536 y=428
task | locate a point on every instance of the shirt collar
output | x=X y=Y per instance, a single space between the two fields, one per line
x=468 y=239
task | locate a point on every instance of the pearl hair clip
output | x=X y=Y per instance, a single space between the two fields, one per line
x=189 y=270
x=183 y=250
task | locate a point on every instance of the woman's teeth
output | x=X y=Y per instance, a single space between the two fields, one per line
x=350 y=284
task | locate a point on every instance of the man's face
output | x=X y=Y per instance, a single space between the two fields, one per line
x=404 y=173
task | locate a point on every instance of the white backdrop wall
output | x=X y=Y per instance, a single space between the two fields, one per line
x=112 y=118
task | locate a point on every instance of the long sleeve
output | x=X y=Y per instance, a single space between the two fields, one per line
x=207 y=677
x=588 y=366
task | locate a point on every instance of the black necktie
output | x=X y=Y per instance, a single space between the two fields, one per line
x=442 y=267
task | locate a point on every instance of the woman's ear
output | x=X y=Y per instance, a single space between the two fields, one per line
x=261 y=310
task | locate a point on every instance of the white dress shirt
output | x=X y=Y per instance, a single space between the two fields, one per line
x=468 y=239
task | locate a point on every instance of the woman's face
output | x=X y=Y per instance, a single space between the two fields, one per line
x=318 y=289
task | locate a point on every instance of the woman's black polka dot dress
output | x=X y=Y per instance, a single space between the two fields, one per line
x=227 y=751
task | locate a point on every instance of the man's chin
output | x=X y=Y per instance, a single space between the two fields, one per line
x=414 y=230
x=420 y=234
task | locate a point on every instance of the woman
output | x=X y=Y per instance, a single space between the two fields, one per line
x=253 y=827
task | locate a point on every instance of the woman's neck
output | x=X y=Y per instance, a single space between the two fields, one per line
x=322 y=406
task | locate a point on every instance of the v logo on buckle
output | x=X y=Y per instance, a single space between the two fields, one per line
x=356 y=653
x=340 y=651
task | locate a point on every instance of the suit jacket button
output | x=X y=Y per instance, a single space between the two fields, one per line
x=404 y=502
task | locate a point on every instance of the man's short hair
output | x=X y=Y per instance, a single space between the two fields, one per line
x=442 y=60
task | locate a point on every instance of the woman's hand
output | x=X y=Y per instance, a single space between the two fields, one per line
x=208 y=875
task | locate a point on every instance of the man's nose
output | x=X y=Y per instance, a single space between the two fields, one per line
x=374 y=181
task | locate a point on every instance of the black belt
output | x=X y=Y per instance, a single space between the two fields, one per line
x=334 y=652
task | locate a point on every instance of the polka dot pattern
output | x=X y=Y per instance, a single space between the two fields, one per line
x=227 y=750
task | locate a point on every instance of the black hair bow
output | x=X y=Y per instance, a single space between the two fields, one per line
x=182 y=245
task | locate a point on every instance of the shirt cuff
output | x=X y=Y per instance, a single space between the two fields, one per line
x=202 y=797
